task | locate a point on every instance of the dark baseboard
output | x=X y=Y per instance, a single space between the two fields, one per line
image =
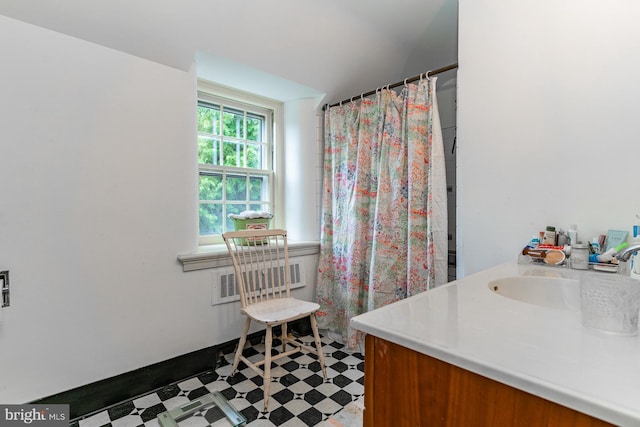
x=85 y=400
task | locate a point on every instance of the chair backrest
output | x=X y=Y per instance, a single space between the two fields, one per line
x=261 y=263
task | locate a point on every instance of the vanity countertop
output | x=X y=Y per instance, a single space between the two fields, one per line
x=544 y=351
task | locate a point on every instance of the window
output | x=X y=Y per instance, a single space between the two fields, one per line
x=235 y=157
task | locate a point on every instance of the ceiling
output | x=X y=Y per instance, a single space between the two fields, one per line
x=333 y=49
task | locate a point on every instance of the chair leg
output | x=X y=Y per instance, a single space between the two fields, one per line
x=267 y=367
x=241 y=343
x=284 y=335
x=316 y=336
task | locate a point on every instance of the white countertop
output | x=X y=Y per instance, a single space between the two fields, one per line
x=544 y=351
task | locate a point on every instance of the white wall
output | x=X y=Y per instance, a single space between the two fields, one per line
x=98 y=196
x=301 y=168
x=547 y=122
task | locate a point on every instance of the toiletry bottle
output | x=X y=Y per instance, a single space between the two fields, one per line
x=549 y=236
x=608 y=255
x=572 y=232
x=535 y=242
x=634 y=267
x=562 y=238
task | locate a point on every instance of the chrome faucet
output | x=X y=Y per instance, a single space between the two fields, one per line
x=623 y=256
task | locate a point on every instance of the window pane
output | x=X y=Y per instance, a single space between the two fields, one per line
x=210 y=219
x=254 y=156
x=259 y=207
x=211 y=187
x=234 y=150
x=258 y=188
x=208 y=150
x=254 y=128
x=209 y=119
x=233 y=123
x=234 y=209
x=233 y=153
x=236 y=188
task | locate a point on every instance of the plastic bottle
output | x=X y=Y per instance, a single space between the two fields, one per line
x=549 y=236
x=608 y=255
x=572 y=232
x=562 y=238
x=535 y=242
x=634 y=260
x=605 y=257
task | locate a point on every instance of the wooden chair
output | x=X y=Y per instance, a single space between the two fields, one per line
x=261 y=262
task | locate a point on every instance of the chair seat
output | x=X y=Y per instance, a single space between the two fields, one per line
x=280 y=309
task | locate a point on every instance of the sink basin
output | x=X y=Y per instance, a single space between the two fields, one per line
x=549 y=292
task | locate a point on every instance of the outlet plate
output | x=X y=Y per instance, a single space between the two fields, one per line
x=4 y=288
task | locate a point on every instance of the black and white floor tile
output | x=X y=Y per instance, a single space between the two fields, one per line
x=299 y=394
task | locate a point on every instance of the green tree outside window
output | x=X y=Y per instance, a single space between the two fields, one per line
x=230 y=137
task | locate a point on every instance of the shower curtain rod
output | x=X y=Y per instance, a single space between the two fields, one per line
x=405 y=81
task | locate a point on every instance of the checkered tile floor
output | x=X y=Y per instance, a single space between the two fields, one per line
x=299 y=395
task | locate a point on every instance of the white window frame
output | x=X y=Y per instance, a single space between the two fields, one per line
x=215 y=94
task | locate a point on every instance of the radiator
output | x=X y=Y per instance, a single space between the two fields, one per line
x=225 y=289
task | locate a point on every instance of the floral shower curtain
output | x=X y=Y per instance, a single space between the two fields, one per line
x=384 y=205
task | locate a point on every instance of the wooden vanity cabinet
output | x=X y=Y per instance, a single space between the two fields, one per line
x=407 y=388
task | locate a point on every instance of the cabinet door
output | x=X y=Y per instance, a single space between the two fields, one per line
x=407 y=388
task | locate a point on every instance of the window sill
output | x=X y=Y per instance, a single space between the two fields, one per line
x=216 y=256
